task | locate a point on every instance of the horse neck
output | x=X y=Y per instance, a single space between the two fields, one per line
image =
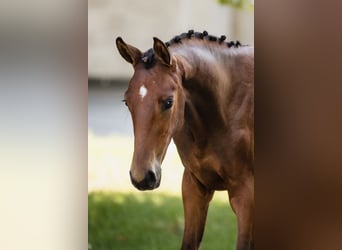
x=217 y=64
x=210 y=79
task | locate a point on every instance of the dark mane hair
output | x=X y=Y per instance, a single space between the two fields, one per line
x=148 y=57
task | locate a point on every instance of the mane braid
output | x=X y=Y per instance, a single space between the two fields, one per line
x=222 y=38
x=149 y=59
x=212 y=38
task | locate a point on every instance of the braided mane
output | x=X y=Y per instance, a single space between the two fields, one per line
x=149 y=59
x=202 y=36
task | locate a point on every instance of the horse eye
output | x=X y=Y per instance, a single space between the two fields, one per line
x=168 y=103
x=124 y=101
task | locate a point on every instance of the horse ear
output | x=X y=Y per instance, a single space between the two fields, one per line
x=161 y=51
x=130 y=53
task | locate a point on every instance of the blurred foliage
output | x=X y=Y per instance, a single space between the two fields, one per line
x=152 y=221
x=239 y=4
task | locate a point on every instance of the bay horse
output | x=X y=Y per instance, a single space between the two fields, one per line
x=198 y=90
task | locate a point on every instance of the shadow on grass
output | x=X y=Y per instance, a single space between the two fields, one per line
x=153 y=221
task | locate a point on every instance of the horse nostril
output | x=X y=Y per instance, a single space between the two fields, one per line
x=150 y=178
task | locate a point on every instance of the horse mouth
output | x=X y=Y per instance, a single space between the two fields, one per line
x=150 y=182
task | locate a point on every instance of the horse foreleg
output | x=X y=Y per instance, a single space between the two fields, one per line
x=196 y=200
x=242 y=202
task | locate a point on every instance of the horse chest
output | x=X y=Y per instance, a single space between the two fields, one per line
x=206 y=167
x=209 y=176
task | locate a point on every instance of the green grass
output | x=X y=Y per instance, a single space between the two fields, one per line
x=152 y=221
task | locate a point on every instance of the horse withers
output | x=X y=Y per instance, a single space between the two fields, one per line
x=198 y=90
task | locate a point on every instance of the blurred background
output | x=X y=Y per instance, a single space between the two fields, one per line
x=118 y=213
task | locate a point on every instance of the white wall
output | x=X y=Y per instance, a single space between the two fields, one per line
x=137 y=21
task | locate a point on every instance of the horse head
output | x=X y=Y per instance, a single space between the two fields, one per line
x=156 y=102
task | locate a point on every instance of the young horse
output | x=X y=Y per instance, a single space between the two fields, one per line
x=198 y=90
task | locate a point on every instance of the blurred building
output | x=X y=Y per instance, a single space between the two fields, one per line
x=138 y=21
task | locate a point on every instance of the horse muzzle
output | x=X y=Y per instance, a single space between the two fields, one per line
x=149 y=182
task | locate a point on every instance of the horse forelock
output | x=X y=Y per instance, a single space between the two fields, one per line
x=148 y=58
